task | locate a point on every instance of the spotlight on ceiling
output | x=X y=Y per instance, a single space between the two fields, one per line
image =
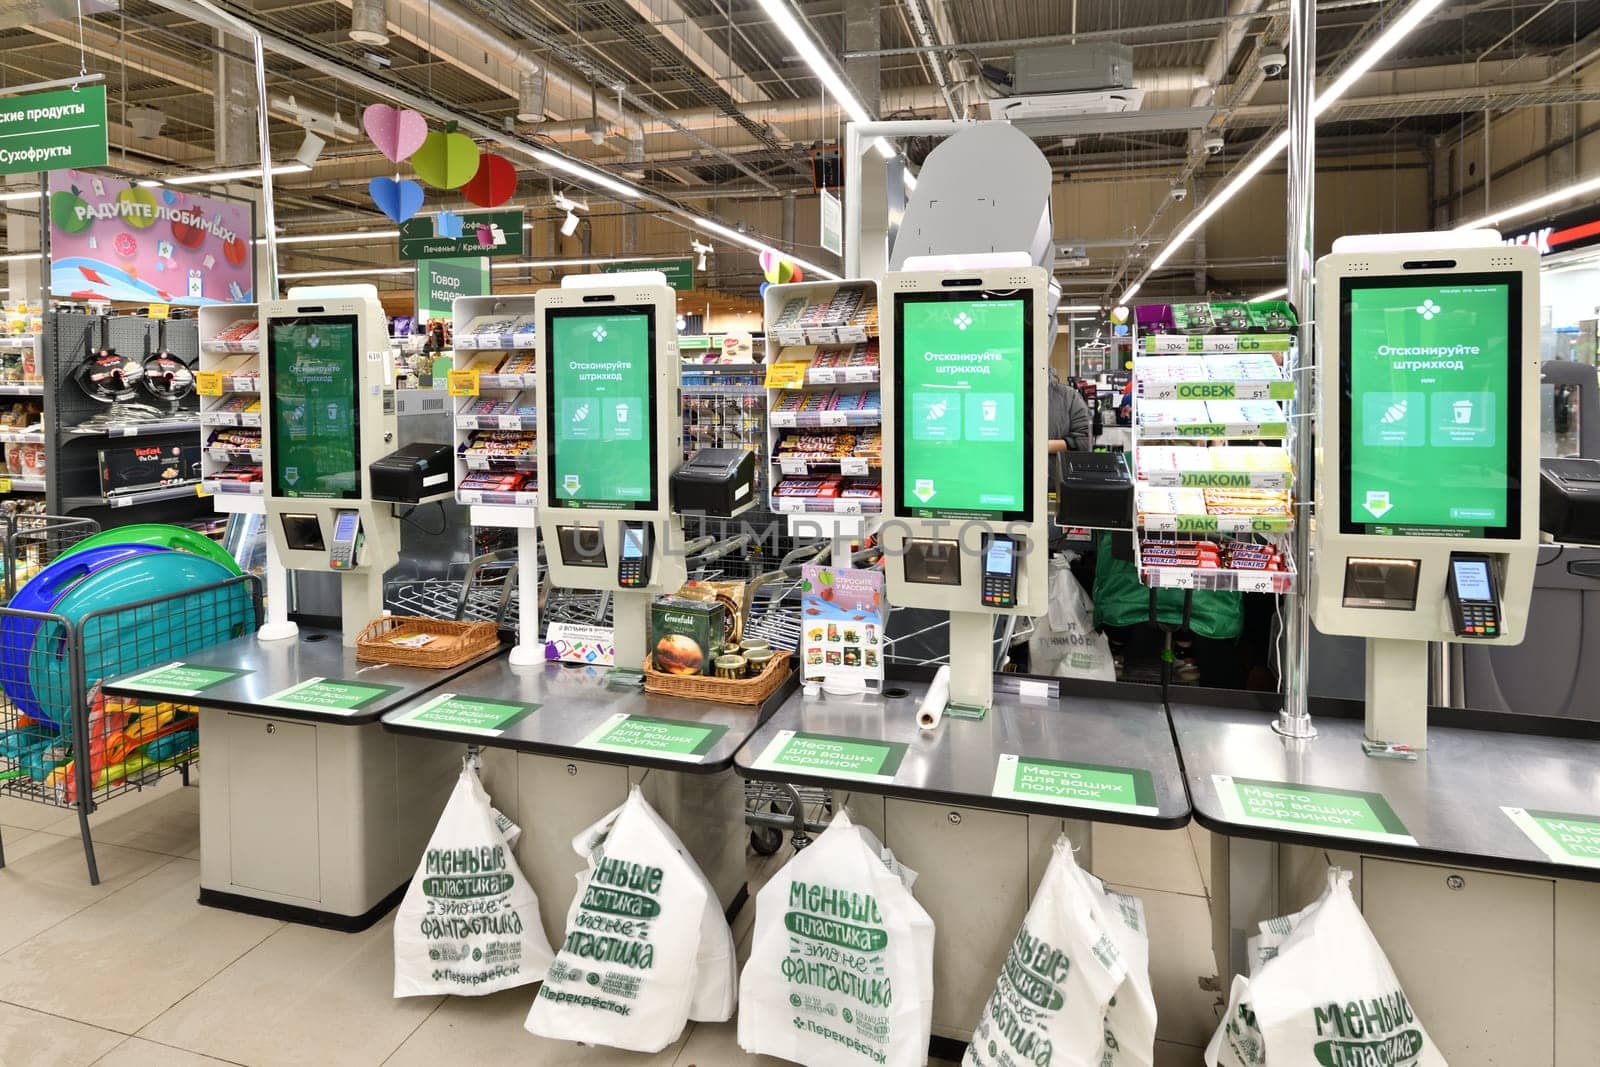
x=569 y=225
x=310 y=149
x=703 y=249
x=146 y=121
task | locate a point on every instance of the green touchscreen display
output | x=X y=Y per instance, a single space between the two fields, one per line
x=963 y=406
x=1430 y=401
x=600 y=405
x=316 y=436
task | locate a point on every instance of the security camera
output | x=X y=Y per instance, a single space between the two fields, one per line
x=1143 y=244
x=1272 y=62
x=1179 y=192
x=1214 y=145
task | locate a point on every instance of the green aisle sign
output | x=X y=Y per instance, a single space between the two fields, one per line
x=1305 y=809
x=679 y=272
x=440 y=281
x=643 y=735
x=333 y=695
x=832 y=756
x=1078 y=785
x=60 y=130
x=456 y=713
x=483 y=233
x=181 y=679
x=1561 y=836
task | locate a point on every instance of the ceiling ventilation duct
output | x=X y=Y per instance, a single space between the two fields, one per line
x=369 y=22
x=531 y=84
x=1063 y=80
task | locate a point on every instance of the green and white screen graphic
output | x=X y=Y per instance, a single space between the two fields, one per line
x=316 y=439
x=962 y=404
x=600 y=409
x=1429 y=419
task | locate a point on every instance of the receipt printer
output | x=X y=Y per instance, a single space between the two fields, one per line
x=416 y=473
x=1096 y=490
x=1569 y=500
x=715 y=481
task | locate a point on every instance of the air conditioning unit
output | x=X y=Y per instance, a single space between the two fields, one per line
x=1064 y=80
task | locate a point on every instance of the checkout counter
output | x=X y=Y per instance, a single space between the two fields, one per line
x=309 y=810
x=1473 y=835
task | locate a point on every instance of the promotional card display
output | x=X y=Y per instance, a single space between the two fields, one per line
x=842 y=636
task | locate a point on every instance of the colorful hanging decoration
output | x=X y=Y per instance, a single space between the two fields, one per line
x=494 y=184
x=777 y=270
x=447 y=159
x=397 y=132
x=397 y=198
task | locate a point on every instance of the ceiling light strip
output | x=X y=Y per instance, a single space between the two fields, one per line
x=1529 y=206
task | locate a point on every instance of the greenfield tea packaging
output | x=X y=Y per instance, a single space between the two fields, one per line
x=685 y=635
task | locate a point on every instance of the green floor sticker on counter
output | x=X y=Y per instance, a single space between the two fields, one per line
x=687 y=742
x=182 y=679
x=1311 y=809
x=331 y=695
x=468 y=715
x=1077 y=785
x=833 y=756
x=1562 y=836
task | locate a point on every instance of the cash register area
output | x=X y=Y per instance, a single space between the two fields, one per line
x=136 y=972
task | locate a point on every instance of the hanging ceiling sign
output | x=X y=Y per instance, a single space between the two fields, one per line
x=449 y=235
x=679 y=272
x=53 y=131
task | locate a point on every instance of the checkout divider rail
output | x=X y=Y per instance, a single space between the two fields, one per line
x=56 y=663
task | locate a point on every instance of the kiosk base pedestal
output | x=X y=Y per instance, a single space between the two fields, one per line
x=972 y=659
x=555 y=799
x=1397 y=692
x=315 y=823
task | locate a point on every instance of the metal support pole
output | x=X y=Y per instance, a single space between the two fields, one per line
x=1294 y=720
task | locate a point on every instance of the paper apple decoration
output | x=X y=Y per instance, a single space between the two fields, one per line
x=495 y=182
x=398 y=199
x=64 y=212
x=447 y=159
x=397 y=132
x=143 y=198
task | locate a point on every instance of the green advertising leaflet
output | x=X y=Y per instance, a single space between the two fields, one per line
x=181 y=679
x=1343 y=813
x=600 y=408
x=1562 y=836
x=315 y=442
x=332 y=695
x=644 y=735
x=833 y=756
x=462 y=714
x=962 y=405
x=1428 y=408
x=1078 y=785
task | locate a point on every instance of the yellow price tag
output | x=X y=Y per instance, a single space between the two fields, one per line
x=463 y=383
x=5 y=485
x=160 y=311
x=200 y=490
x=208 y=383
x=786 y=374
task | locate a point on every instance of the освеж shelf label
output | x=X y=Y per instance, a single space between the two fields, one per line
x=331 y=695
x=833 y=756
x=1078 y=785
x=461 y=714
x=1346 y=813
x=182 y=679
x=645 y=735
x=1563 y=837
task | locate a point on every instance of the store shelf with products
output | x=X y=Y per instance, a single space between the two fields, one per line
x=1212 y=436
x=725 y=406
x=494 y=390
x=229 y=384
x=824 y=405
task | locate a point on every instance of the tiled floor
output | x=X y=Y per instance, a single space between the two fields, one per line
x=134 y=973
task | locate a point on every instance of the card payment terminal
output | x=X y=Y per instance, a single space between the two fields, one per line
x=633 y=568
x=1000 y=573
x=1474 y=598
x=346 y=550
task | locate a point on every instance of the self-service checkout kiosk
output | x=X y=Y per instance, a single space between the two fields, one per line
x=1427 y=455
x=964 y=364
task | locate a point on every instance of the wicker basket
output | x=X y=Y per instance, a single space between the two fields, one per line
x=453 y=644
x=722 y=690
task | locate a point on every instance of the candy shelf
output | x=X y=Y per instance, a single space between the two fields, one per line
x=229 y=377
x=495 y=396
x=822 y=420
x=1185 y=466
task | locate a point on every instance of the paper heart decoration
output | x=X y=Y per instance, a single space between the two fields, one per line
x=447 y=159
x=494 y=183
x=447 y=224
x=769 y=264
x=397 y=199
x=486 y=235
x=397 y=132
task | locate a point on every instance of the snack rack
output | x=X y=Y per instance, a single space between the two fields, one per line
x=824 y=419
x=22 y=419
x=1213 y=457
x=496 y=409
x=229 y=383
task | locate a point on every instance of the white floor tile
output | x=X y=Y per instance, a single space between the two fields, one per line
x=1146 y=859
x=302 y=996
x=487 y=1031
x=1180 y=955
x=38 y=1040
x=1172 y=1054
x=168 y=793
x=137 y=1052
x=47 y=881
x=79 y=968
x=717 y=1045
x=29 y=815
x=168 y=824
x=1200 y=837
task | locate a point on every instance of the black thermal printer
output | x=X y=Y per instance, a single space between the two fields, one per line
x=415 y=473
x=1569 y=500
x=1096 y=490
x=715 y=481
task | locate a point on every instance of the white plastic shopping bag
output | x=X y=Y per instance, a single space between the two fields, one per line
x=1055 y=986
x=469 y=923
x=1131 y=1016
x=841 y=960
x=1064 y=642
x=1322 y=993
x=646 y=946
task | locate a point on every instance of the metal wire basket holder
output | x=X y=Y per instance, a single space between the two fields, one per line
x=31 y=541
x=64 y=662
